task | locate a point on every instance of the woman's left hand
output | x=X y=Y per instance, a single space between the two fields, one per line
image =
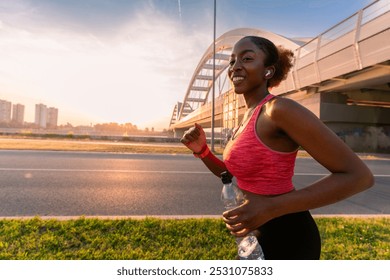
x=254 y=212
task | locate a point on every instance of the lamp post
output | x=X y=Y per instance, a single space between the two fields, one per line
x=213 y=93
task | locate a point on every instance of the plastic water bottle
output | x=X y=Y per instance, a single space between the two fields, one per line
x=232 y=197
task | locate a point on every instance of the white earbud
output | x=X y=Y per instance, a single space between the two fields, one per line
x=267 y=73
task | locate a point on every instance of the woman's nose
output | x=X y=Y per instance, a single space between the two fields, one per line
x=236 y=65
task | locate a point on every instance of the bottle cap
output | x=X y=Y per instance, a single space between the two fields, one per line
x=226 y=177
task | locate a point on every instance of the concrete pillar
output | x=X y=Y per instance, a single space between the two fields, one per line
x=178 y=132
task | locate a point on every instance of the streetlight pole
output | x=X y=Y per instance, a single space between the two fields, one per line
x=213 y=94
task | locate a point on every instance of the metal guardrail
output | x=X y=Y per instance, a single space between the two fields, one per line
x=357 y=42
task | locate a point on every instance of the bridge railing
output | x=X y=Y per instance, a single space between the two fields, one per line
x=357 y=42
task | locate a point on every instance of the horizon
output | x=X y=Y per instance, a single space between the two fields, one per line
x=101 y=62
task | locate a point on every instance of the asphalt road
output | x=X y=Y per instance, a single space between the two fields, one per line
x=106 y=184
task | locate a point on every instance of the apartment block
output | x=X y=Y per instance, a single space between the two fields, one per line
x=52 y=117
x=41 y=115
x=46 y=117
x=18 y=114
x=5 y=111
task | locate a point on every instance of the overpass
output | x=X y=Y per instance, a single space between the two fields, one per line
x=342 y=75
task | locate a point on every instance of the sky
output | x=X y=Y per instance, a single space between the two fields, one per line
x=130 y=61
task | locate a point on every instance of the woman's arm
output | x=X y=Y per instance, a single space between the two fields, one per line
x=195 y=140
x=349 y=175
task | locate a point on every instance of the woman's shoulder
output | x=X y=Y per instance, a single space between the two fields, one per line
x=288 y=114
x=282 y=107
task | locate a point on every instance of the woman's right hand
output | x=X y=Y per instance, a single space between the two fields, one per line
x=194 y=138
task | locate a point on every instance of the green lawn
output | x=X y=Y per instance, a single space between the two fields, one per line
x=169 y=239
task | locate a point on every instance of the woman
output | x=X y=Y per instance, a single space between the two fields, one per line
x=261 y=155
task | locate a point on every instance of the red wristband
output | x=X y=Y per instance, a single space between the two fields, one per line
x=203 y=153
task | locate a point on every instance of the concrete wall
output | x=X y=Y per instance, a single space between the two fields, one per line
x=363 y=128
x=367 y=139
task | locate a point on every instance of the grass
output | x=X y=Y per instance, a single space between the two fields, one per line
x=355 y=238
x=168 y=239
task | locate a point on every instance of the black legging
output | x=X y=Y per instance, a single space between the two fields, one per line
x=291 y=237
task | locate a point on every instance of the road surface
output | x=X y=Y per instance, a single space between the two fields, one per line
x=111 y=184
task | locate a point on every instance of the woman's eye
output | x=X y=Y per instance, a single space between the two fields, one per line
x=231 y=62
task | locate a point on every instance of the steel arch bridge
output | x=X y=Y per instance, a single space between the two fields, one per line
x=342 y=75
x=201 y=82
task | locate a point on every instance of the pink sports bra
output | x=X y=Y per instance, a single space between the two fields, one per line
x=258 y=168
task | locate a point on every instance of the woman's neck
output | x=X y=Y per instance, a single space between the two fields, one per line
x=252 y=100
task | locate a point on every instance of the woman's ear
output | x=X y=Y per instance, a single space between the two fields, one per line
x=269 y=72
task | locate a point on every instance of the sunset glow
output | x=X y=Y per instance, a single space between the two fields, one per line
x=100 y=61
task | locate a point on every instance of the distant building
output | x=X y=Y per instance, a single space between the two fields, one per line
x=52 y=117
x=18 y=114
x=41 y=115
x=5 y=111
x=46 y=117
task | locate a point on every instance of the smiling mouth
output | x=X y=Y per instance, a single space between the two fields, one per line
x=237 y=79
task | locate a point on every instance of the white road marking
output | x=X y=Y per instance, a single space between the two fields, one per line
x=145 y=171
x=103 y=170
